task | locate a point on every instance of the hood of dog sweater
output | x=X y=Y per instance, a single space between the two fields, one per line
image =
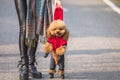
x=57 y=42
x=58 y=14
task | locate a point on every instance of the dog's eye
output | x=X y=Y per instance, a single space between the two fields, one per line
x=61 y=28
x=54 y=29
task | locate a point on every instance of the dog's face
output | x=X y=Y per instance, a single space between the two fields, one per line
x=57 y=28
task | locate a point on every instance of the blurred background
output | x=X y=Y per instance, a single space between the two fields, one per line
x=94 y=45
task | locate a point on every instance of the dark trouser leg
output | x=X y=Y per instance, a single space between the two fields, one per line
x=61 y=62
x=52 y=63
x=32 y=69
x=52 y=68
x=61 y=66
x=21 y=9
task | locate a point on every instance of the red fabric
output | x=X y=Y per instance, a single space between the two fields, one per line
x=58 y=13
x=57 y=42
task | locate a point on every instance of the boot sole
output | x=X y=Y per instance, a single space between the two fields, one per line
x=33 y=75
x=23 y=77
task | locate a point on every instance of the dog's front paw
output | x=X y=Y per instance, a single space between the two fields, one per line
x=48 y=47
x=46 y=55
x=61 y=50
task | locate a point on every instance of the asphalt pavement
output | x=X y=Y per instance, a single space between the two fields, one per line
x=93 y=49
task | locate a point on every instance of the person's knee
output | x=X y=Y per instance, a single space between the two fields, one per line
x=22 y=30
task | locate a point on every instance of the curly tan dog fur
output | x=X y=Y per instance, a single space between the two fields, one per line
x=56 y=29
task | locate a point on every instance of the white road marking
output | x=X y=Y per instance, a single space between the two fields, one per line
x=112 y=5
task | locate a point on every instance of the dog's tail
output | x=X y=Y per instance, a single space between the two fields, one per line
x=58 y=12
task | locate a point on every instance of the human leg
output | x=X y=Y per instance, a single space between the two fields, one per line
x=21 y=8
x=32 y=59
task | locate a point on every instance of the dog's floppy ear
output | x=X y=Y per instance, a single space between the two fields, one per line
x=66 y=35
x=48 y=34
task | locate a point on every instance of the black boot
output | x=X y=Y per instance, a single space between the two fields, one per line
x=23 y=70
x=24 y=57
x=32 y=68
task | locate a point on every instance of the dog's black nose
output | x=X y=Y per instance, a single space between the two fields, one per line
x=58 y=33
